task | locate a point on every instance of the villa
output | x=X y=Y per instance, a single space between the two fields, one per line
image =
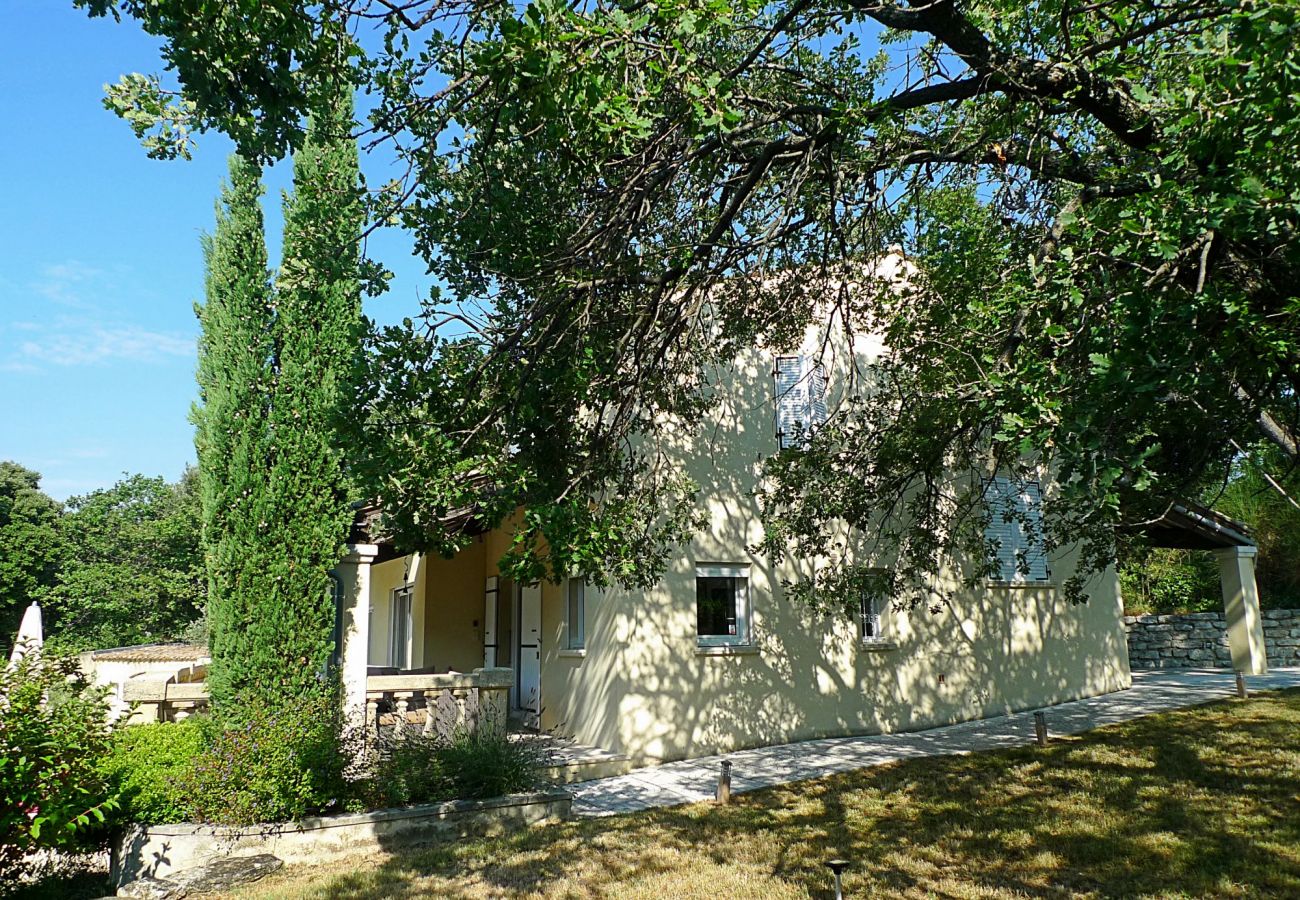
x=713 y=657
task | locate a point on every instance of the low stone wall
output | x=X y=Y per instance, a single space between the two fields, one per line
x=158 y=851
x=1201 y=640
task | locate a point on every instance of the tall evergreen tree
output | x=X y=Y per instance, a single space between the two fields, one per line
x=316 y=335
x=235 y=378
x=276 y=370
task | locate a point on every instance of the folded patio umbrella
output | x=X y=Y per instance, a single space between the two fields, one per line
x=30 y=635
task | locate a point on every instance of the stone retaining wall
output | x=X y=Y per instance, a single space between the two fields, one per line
x=159 y=851
x=1194 y=640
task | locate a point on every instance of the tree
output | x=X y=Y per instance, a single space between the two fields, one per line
x=641 y=188
x=131 y=567
x=276 y=369
x=316 y=340
x=235 y=381
x=29 y=545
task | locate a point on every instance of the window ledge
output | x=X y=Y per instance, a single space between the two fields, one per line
x=727 y=650
x=878 y=646
x=995 y=583
x=572 y=653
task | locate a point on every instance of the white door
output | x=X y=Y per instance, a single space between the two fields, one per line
x=528 y=673
x=400 y=652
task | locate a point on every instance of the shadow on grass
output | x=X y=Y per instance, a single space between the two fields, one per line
x=1201 y=803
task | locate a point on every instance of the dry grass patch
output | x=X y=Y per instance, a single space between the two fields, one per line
x=1199 y=803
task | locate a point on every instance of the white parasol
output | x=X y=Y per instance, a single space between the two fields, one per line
x=30 y=635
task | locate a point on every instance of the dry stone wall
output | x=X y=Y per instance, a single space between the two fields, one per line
x=1201 y=640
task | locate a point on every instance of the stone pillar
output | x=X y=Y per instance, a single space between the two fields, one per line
x=1241 y=609
x=354 y=645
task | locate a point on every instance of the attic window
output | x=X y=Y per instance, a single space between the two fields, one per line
x=800 y=400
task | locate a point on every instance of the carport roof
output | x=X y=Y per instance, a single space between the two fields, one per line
x=1190 y=526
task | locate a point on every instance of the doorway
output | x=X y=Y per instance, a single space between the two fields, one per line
x=528 y=671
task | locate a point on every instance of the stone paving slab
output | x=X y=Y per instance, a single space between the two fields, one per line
x=692 y=780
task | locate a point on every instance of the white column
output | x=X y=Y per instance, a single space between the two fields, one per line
x=1241 y=609
x=354 y=649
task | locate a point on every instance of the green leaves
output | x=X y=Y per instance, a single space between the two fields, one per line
x=53 y=733
x=277 y=374
x=131 y=565
x=1102 y=209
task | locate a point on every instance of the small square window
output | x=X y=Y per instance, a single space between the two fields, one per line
x=722 y=605
x=577 y=621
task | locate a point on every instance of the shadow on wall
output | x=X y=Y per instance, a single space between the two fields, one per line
x=645 y=689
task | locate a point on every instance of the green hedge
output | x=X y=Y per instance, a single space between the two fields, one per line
x=153 y=767
x=287 y=767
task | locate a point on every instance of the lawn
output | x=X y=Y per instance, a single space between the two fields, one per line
x=1202 y=802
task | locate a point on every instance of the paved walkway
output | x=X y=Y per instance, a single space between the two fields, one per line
x=695 y=779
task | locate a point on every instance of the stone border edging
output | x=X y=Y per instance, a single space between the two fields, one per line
x=156 y=851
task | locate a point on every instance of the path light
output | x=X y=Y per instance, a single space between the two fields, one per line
x=837 y=866
x=724 y=783
x=1242 y=691
x=1040 y=728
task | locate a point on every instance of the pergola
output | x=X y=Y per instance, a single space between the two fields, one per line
x=1189 y=526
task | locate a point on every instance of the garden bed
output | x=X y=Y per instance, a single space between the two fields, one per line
x=159 y=850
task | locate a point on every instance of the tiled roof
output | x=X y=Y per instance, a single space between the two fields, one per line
x=180 y=653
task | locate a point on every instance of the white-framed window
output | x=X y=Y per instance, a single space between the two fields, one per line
x=400 y=651
x=722 y=605
x=869 y=620
x=1015 y=530
x=800 y=399
x=577 y=617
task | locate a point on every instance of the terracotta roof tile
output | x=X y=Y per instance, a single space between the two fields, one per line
x=153 y=653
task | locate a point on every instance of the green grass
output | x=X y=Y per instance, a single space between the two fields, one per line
x=1199 y=803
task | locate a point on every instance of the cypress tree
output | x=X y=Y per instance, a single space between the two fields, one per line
x=316 y=335
x=235 y=381
x=276 y=372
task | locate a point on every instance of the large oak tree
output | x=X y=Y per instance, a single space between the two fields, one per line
x=1102 y=198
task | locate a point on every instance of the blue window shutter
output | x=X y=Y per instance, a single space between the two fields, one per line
x=1015 y=527
x=791 y=402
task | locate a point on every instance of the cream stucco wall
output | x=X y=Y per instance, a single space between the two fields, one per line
x=385 y=578
x=643 y=687
x=453 y=607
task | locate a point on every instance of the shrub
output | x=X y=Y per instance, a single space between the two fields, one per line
x=271 y=766
x=415 y=768
x=54 y=731
x=489 y=764
x=1160 y=580
x=152 y=767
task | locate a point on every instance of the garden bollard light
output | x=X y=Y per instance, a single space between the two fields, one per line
x=1040 y=728
x=837 y=866
x=1242 y=691
x=724 y=783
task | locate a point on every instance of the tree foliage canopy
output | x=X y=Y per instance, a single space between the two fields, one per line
x=1102 y=200
x=131 y=569
x=29 y=545
x=113 y=567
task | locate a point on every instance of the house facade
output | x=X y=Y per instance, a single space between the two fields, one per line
x=714 y=657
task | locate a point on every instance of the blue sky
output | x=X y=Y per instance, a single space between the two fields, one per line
x=100 y=262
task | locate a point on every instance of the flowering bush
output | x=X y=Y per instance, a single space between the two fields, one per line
x=54 y=731
x=418 y=768
x=271 y=766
